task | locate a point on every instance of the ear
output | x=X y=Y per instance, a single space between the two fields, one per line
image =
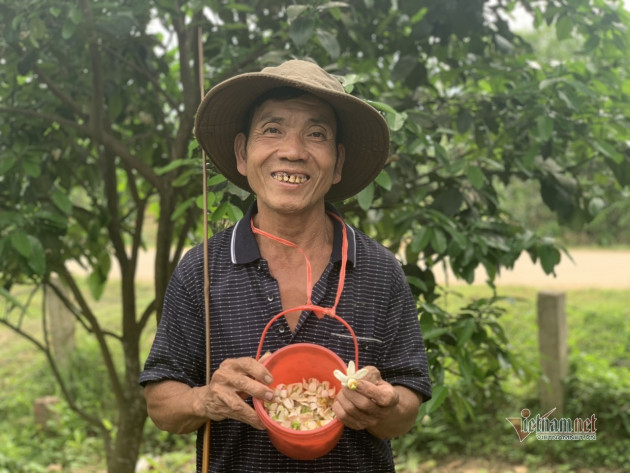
x=240 y=152
x=341 y=156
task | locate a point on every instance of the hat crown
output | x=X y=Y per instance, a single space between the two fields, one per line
x=221 y=116
x=306 y=73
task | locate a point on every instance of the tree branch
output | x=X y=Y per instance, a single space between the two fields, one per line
x=61 y=95
x=56 y=373
x=98 y=333
x=150 y=77
x=106 y=139
x=144 y=318
x=98 y=94
x=77 y=314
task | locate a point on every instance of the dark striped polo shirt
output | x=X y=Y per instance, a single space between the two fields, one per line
x=376 y=302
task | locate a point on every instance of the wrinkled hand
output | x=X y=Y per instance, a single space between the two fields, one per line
x=234 y=381
x=372 y=402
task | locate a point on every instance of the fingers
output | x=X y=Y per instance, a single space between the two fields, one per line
x=235 y=380
x=367 y=406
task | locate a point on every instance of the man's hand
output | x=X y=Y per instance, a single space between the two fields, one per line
x=178 y=408
x=377 y=406
x=235 y=380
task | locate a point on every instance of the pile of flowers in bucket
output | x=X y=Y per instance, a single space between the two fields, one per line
x=307 y=405
x=302 y=406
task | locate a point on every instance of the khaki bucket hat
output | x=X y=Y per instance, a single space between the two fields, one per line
x=221 y=116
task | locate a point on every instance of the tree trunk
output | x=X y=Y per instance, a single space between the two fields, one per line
x=124 y=451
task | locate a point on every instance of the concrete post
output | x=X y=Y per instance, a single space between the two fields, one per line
x=553 y=348
x=61 y=325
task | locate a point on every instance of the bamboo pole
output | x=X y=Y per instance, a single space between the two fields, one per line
x=205 y=461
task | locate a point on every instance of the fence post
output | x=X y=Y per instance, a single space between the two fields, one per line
x=552 y=345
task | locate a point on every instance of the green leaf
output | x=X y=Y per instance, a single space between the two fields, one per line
x=96 y=284
x=549 y=258
x=61 y=201
x=476 y=176
x=68 y=29
x=596 y=205
x=464 y=121
x=31 y=168
x=366 y=196
x=329 y=5
x=544 y=126
x=382 y=106
x=6 y=163
x=301 y=30
x=439 y=396
x=37 y=257
x=181 y=208
x=564 y=27
x=21 y=243
x=220 y=212
x=438 y=241
x=417 y=282
x=384 y=180
x=396 y=120
x=466 y=332
x=329 y=43
x=466 y=367
x=421 y=239
x=172 y=165
x=7 y=295
x=217 y=179
x=234 y=213
x=294 y=11
x=75 y=15
x=609 y=151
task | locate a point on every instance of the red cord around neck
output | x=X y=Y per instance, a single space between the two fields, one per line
x=319 y=311
x=309 y=276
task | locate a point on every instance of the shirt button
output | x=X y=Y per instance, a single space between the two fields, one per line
x=281 y=329
x=270 y=297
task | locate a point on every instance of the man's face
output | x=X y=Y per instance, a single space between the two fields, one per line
x=291 y=159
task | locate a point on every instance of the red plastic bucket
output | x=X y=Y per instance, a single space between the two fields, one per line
x=292 y=364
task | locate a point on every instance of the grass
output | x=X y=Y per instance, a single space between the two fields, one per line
x=600 y=382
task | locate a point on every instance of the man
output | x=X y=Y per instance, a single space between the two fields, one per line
x=292 y=136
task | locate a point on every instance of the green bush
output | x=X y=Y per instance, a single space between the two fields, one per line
x=598 y=383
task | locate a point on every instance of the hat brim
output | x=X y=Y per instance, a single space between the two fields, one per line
x=221 y=116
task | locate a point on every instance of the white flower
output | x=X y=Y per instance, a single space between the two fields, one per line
x=352 y=377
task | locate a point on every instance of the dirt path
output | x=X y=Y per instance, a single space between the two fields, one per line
x=595 y=269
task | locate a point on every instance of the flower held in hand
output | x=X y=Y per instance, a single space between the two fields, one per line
x=352 y=377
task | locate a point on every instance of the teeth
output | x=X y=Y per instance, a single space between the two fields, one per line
x=292 y=178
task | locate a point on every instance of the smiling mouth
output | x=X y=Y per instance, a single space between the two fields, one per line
x=290 y=178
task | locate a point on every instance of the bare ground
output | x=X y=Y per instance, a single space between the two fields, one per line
x=585 y=268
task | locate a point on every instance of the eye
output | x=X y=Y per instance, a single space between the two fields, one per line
x=319 y=135
x=271 y=130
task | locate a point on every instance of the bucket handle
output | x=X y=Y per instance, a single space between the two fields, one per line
x=319 y=312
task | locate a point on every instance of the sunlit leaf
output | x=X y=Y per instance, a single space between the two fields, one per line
x=366 y=196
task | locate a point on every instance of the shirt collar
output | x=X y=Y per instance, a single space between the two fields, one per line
x=244 y=249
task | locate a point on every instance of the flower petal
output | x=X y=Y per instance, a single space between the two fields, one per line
x=340 y=376
x=361 y=373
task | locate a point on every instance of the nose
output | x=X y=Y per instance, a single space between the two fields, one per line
x=292 y=147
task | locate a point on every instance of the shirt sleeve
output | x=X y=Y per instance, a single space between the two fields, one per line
x=178 y=350
x=405 y=361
